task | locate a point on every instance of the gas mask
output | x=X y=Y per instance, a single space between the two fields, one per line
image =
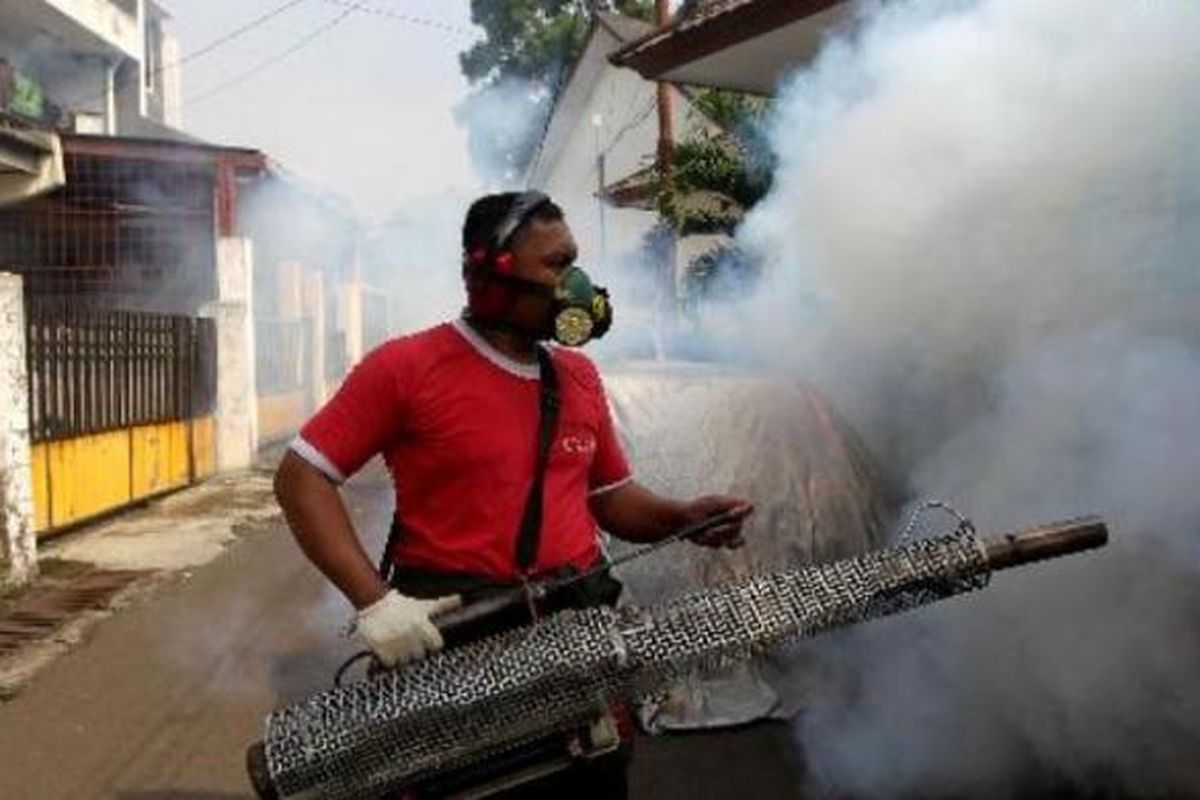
x=581 y=311
x=578 y=311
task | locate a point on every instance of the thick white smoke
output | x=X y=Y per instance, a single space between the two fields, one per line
x=982 y=243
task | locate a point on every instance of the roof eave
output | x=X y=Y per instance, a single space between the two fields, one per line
x=689 y=39
x=166 y=151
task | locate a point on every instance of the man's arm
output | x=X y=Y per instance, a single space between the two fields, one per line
x=398 y=629
x=636 y=514
x=321 y=524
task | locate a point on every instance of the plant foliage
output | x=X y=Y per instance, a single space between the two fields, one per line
x=516 y=71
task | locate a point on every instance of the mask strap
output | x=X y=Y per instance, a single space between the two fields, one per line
x=522 y=285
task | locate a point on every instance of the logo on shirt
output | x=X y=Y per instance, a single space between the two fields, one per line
x=579 y=444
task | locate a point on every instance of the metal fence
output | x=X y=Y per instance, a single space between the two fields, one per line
x=122 y=233
x=92 y=371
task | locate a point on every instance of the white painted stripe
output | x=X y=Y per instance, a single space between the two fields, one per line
x=481 y=345
x=608 y=488
x=315 y=457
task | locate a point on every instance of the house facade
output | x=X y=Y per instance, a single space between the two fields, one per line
x=89 y=66
x=597 y=155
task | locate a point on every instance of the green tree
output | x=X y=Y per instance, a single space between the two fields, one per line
x=517 y=69
x=717 y=176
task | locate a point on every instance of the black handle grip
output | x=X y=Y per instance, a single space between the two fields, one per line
x=476 y=620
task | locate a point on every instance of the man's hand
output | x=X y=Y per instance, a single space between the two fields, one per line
x=634 y=513
x=729 y=535
x=398 y=629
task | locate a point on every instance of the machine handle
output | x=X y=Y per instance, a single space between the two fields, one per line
x=462 y=624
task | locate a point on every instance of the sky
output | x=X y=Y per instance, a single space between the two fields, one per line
x=364 y=110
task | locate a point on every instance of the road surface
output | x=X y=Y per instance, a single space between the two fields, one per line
x=160 y=700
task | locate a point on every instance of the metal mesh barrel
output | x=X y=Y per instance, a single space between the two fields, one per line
x=481 y=699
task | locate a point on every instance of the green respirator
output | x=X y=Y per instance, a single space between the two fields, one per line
x=581 y=311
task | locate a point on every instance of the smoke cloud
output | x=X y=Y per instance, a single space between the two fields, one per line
x=981 y=243
x=417 y=257
x=503 y=121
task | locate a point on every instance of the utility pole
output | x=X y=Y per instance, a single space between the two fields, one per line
x=666 y=160
x=598 y=128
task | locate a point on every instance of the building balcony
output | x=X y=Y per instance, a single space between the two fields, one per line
x=84 y=27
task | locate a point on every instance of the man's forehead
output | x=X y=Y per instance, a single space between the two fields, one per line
x=546 y=234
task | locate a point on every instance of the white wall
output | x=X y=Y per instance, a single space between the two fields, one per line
x=314 y=304
x=233 y=311
x=16 y=479
x=627 y=134
x=350 y=318
x=170 y=82
x=118 y=25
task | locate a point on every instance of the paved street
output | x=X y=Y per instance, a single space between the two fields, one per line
x=160 y=700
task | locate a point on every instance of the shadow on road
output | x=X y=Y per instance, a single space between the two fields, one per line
x=758 y=760
x=298 y=675
x=171 y=794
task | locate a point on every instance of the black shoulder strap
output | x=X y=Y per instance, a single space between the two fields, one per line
x=529 y=534
x=386 y=567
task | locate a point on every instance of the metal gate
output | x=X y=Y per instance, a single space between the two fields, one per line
x=120 y=407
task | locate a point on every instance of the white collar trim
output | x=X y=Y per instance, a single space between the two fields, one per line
x=485 y=349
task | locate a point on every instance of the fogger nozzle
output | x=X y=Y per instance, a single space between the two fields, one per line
x=1041 y=542
x=484 y=699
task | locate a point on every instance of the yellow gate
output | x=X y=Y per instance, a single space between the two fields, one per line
x=120 y=408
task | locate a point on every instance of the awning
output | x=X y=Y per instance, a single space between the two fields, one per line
x=31 y=163
x=744 y=45
x=637 y=191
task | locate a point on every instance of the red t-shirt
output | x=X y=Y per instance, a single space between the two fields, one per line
x=456 y=422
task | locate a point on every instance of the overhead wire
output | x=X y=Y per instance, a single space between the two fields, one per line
x=355 y=5
x=233 y=34
x=349 y=7
x=306 y=40
x=220 y=41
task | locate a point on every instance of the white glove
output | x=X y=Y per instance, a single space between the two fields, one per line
x=397 y=628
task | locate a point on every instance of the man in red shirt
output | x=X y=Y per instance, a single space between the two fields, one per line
x=456 y=412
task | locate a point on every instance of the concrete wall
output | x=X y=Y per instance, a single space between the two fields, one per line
x=16 y=483
x=289 y=290
x=236 y=412
x=160 y=76
x=350 y=318
x=170 y=82
x=314 y=301
x=116 y=24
